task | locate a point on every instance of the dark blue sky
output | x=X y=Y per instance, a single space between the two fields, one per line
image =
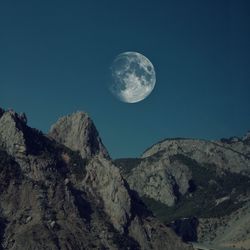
x=55 y=58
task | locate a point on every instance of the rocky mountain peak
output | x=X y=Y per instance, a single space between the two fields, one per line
x=246 y=137
x=51 y=197
x=12 y=132
x=78 y=132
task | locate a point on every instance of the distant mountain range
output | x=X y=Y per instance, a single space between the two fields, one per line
x=201 y=188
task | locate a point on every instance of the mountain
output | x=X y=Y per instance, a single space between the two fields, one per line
x=78 y=132
x=199 y=187
x=62 y=191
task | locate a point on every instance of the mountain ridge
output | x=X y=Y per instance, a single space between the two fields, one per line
x=188 y=180
x=53 y=197
x=231 y=139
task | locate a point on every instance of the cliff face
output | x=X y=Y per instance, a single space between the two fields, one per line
x=78 y=132
x=182 y=178
x=63 y=192
x=160 y=180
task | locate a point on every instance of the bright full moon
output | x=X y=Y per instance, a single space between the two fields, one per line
x=133 y=77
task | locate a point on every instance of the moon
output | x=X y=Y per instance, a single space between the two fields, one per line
x=133 y=77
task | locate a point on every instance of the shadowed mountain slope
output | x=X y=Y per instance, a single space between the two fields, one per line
x=62 y=192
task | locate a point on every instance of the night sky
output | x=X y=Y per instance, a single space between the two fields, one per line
x=55 y=58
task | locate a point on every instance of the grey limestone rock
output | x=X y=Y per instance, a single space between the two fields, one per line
x=160 y=179
x=11 y=134
x=105 y=179
x=52 y=198
x=190 y=177
x=78 y=132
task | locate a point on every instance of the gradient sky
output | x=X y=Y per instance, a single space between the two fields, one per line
x=55 y=58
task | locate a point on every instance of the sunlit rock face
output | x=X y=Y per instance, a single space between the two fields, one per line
x=11 y=133
x=160 y=180
x=78 y=132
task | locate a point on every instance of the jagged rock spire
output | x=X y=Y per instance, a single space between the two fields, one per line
x=78 y=132
x=12 y=137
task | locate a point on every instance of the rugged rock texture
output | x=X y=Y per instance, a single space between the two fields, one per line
x=182 y=178
x=229 y=230
x=53 y=197
x=11 y=134
x=104 y=178
x=227 y=154
x=161 y=180
x=78 y=132
x=164 y=171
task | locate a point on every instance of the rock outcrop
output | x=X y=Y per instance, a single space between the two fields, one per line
x=160 y=180
x=246 y=137
x=104 y=179
x=63 y=192
x=11 y=133
x=78 y=132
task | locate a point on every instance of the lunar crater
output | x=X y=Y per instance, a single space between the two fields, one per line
x=133 y=77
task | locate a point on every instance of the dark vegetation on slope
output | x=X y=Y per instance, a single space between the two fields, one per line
x=2 y=228
x=127 y=164
x=78 y=164
x=42 y=146
x=206 y=188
